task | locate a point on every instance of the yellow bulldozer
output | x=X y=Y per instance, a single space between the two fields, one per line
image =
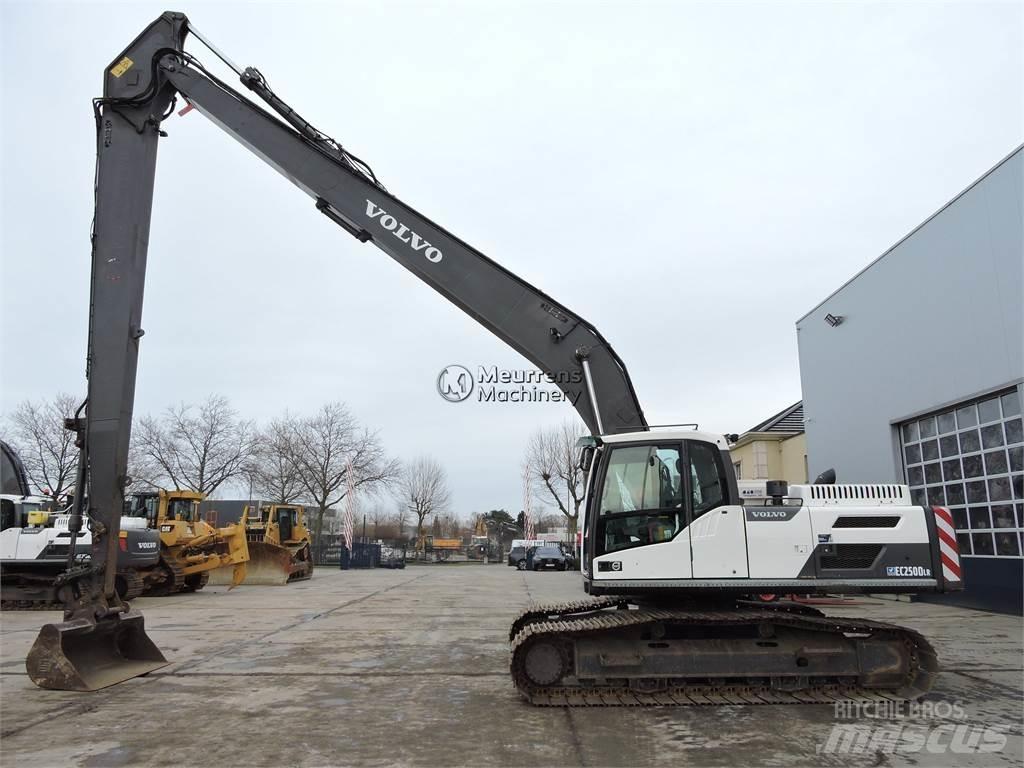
x=279 y=545
x=438 y=549
x=190 y=548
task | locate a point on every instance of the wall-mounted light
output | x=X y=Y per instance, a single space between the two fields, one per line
x=834 y=320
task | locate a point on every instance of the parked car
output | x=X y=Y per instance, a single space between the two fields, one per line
x=517 y=558
x=546 y=558
x=392 y=557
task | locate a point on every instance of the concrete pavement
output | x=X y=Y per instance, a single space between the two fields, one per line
x=378 y=668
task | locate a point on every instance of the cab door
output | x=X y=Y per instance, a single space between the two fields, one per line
x=717 y=531
x=636 y=518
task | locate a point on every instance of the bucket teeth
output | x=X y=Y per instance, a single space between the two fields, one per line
x=84 y=655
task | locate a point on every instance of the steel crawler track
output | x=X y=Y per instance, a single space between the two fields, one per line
x=562 y=626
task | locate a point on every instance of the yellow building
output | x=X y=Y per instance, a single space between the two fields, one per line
x=776 y=449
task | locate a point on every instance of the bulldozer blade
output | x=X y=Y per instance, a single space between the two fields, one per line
x=268 y=564
x=84 y=655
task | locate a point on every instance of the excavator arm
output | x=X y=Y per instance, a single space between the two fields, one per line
x=141 y=88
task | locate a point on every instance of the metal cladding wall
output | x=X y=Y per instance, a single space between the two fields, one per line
x=937 y=319
x=927 y=330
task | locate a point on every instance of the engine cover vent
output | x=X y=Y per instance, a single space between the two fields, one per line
x=851 y=495
x=851 y=557
x=867 y=521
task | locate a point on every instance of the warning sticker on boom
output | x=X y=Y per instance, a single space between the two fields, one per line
x=121 y=67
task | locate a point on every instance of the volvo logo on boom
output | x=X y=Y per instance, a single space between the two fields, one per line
x=403 y=233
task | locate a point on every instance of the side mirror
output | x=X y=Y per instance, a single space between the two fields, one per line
x=587 y=458
x=828 y=477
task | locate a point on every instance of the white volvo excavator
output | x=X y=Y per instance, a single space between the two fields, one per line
x=670 y=549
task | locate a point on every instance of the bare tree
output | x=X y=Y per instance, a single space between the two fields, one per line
x=423 y=490
x=199 y=447
x=449 y=525
x=400 y=518
x=552 y=463
x=46 y=449
x=275 y=467
x=378 y=516
x=326 y=445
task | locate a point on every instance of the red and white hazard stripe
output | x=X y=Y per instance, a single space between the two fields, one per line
x=949 y=551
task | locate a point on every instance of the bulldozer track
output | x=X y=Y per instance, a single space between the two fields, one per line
x=196 y=582
x=303 y=574
x=168 y=586
x=568 y=621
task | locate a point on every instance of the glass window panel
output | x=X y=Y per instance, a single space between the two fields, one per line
x=949 y=446
x=917 y=496
x=1007 y=544
x=1016 y=459
x=979 y=517
x=927 y=427
x=959 y=517
x=992 y=436
x=967 y=416
x=988 y=410
x=951 y=470
x=1017 y=482
x=1011 y=403
x=963 y=540
x=936 y=497
x=1014 y=431
x=969 y=441
x=1002 y=516
x=955 y=493
x=995 y=462
x=999 y=489
x=932 y=473
x=914 y=454
x=930 y=450
x=982 y=543
x=976 y=492
x=910 y=432
x=915 y=476
x=947 y=422
x=644 y=477
x=972 y=466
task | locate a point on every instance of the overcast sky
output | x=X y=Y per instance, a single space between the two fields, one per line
x=691 y=178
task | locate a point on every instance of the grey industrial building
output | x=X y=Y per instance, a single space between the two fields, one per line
x=912 y=372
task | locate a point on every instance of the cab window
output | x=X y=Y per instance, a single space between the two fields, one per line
x=708 y=487
x=641 y=477
x=182 y=509
x=642 y=497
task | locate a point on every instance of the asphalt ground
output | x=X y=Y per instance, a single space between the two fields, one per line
x=410 y=667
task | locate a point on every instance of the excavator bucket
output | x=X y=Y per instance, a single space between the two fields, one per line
x=82 y=655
